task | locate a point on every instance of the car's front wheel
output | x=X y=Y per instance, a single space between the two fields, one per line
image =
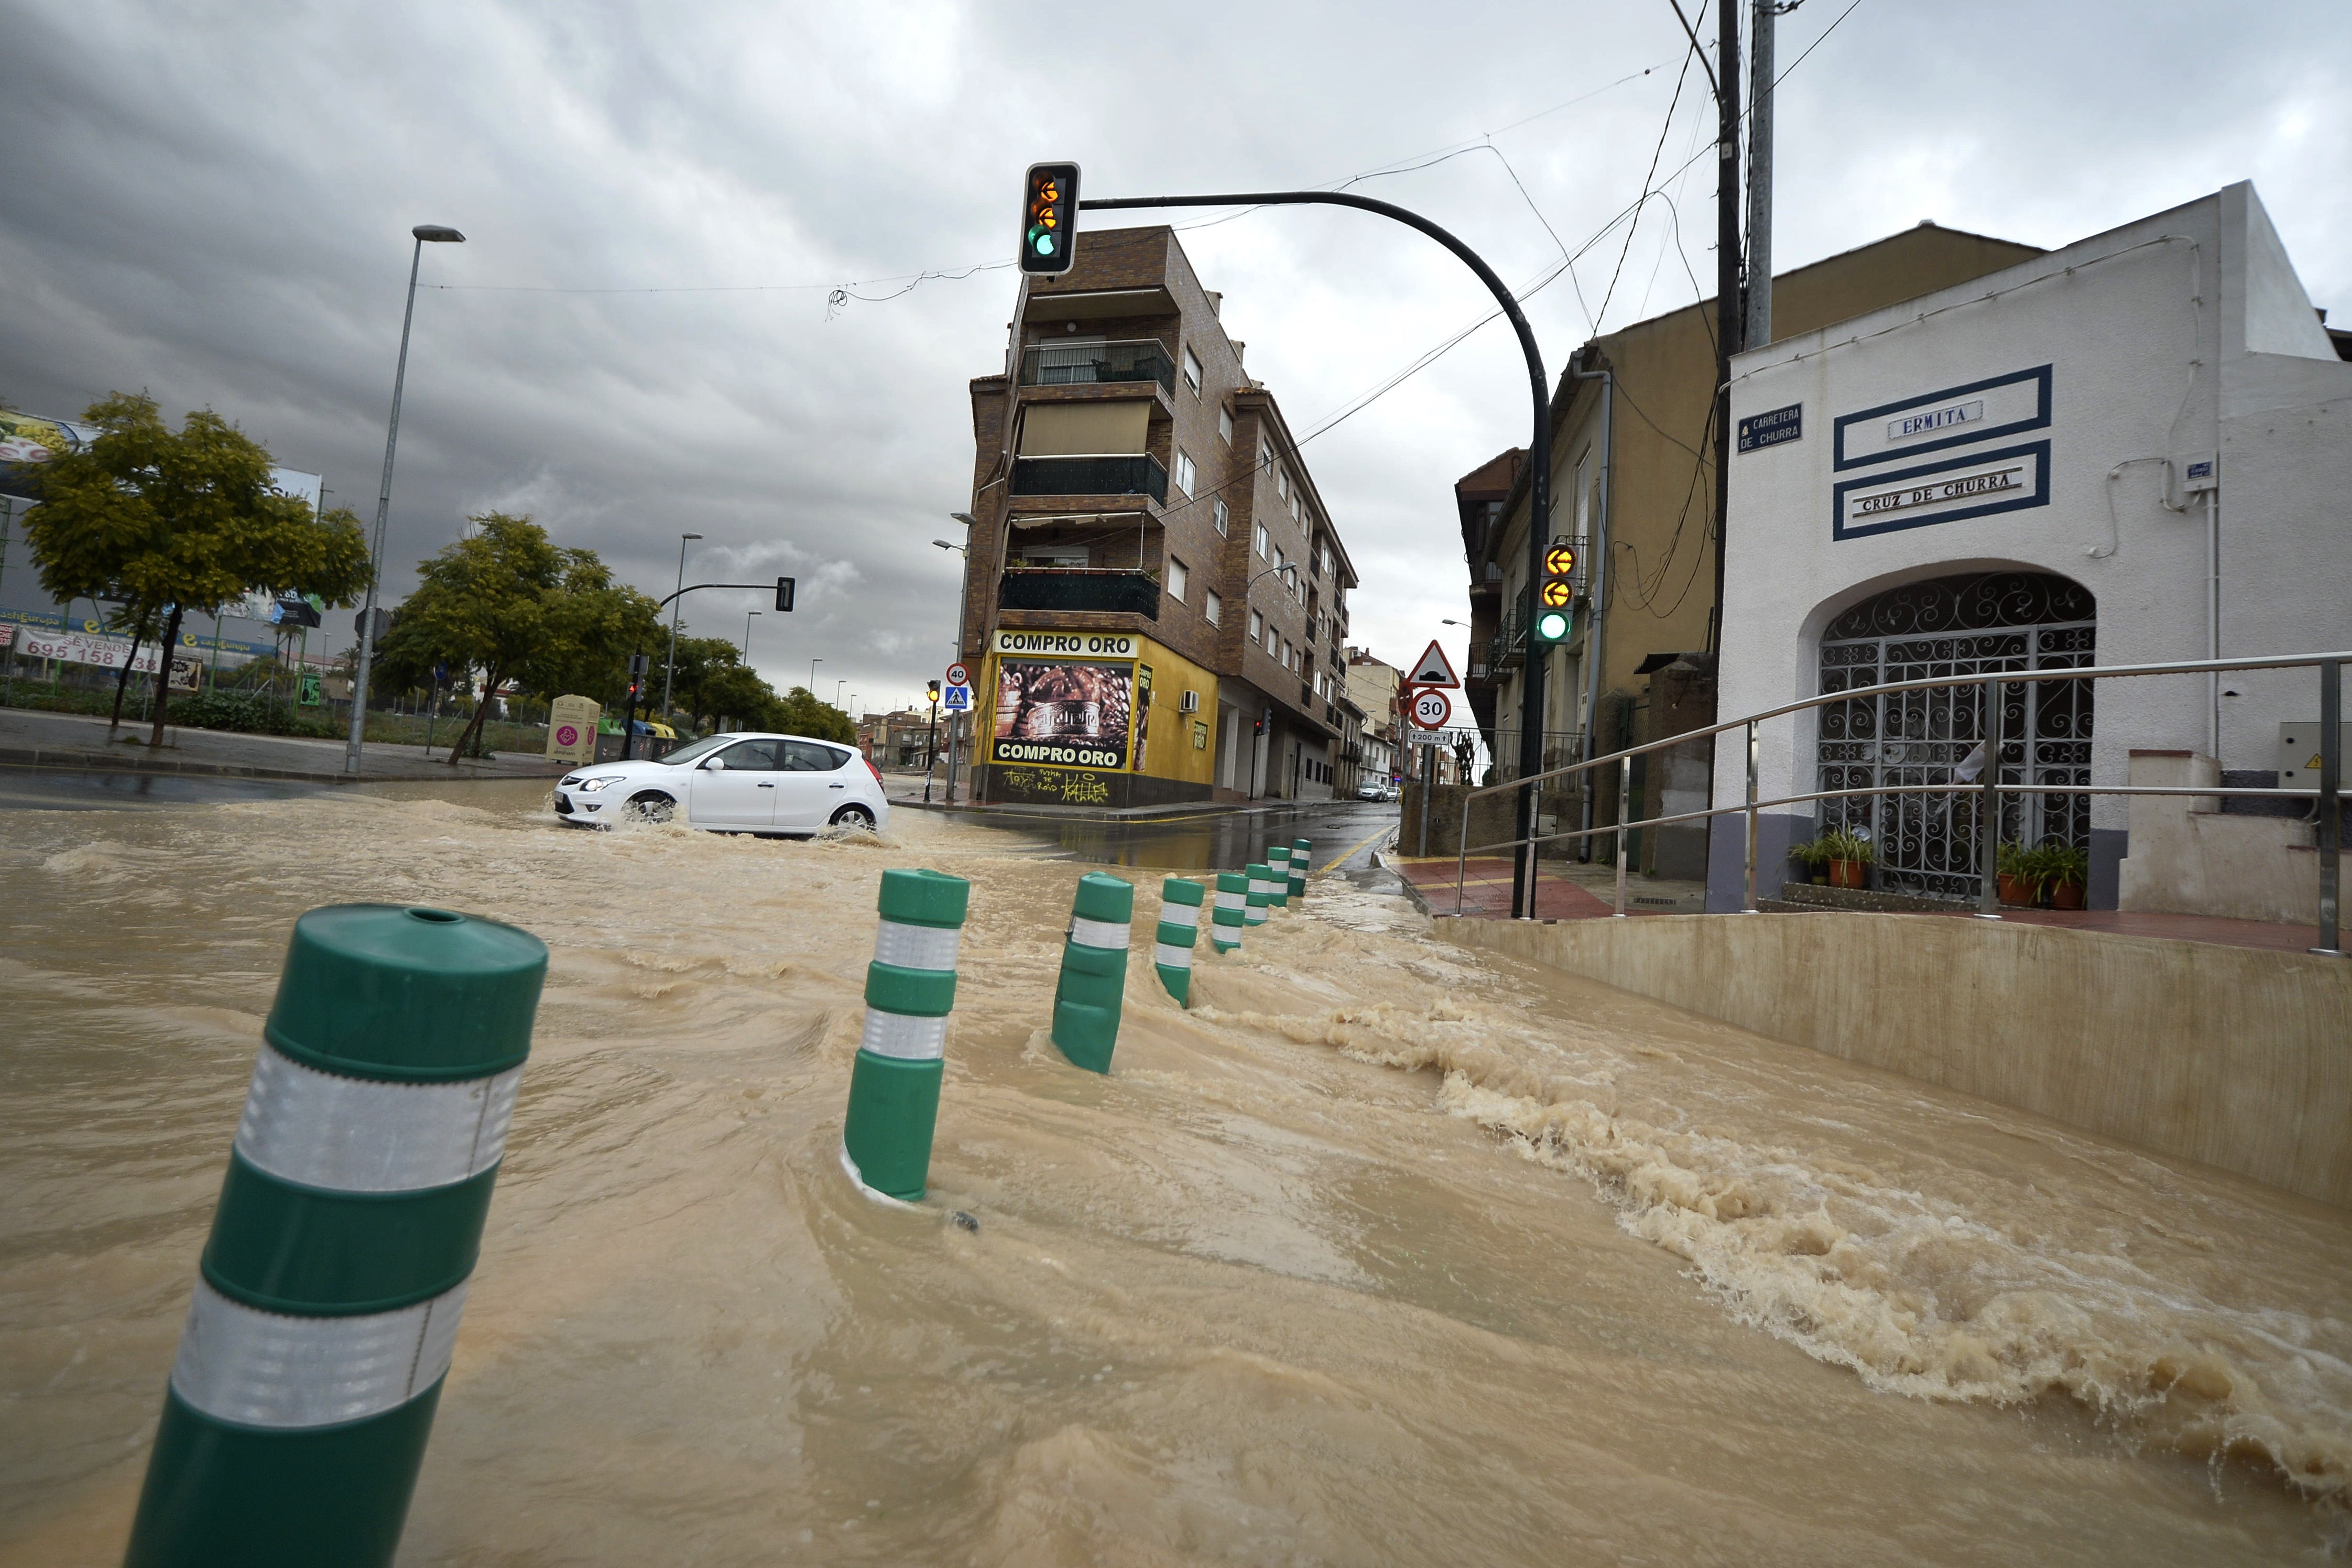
x=853 y=816
x=651 y=806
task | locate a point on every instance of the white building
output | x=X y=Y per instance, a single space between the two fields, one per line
x=2137 y=449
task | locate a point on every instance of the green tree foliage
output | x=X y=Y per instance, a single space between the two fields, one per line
x=803 y=714
x=511 y=603
x=163 y=523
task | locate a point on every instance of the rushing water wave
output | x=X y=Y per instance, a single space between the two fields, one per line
x=1386 y=1251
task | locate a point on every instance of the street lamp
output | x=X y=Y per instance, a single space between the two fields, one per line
x=424 y=234
x=670 y=673
x=813 y=664
x=748 y=618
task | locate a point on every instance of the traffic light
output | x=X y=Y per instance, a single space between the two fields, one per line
x=1556 y=596
x=1049 y=214
x=784 y=593
x=933 y=688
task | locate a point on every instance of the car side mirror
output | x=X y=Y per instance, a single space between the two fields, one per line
x=714 y=765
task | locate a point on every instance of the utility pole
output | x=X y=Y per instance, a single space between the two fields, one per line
x=1758 y=329
x=1726 y=281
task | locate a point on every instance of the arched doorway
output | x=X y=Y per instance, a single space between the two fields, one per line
x=1964 y=624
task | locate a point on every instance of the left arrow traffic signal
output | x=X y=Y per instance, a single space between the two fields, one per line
x=1049 y=213
x=1556 y=596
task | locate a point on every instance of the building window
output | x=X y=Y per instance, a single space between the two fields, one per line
x=1176 y=578
x=1264 y=546
x=1212 y=607
x=1257 y=625
x=1273 y=644
x=1265 y=454
x=1225 y=424
x=1191 y=371
x=1224 y=517
x=1185 y=472
x=1281 y=483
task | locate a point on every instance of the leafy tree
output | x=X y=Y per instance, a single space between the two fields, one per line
x=511 y=603
x=165 y=522
x=802 y=714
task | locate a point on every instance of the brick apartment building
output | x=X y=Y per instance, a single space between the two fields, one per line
x=1136 y=498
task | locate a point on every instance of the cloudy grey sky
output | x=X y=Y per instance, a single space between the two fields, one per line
x=212 y=202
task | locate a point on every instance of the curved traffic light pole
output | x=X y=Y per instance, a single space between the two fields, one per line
x=1523 y=886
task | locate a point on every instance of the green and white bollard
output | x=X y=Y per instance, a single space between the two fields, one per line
x=327 y=1303
x=1277 y=862
x=1180 y=928
x=1226 y=921
x=1093 y=971
x=1301 y=853
x=894 y=1081
x=1260 y=898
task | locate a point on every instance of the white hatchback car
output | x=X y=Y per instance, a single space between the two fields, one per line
x=741 y=782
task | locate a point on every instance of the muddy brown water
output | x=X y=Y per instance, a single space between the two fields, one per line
x=1386 y=1252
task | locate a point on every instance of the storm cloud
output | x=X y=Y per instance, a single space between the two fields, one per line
x=643 y=335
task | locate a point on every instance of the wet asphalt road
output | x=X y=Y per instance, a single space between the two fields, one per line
x=1344 y=834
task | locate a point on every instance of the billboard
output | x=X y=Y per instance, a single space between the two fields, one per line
x=29 y=440
x=1064 y=713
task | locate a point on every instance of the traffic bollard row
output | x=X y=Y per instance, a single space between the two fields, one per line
x=1260 y=897
x=326 y=1303
x=1301 y=851
x=1277 y=865
x=1093 y=984
x=1180 y=928
x=1226 y=921
x=894 y=1084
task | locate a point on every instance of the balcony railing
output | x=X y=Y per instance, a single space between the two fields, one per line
x=1138 y=475
x=1087 y=364
x=1070 y=588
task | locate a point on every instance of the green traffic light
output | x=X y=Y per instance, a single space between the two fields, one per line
x=1552 y=626
x=1045 y=245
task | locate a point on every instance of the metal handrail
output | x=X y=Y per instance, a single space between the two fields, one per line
x=2328 y=794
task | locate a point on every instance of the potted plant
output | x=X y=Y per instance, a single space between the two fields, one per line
x=2061 y=869
x=1815 y=859
x=2014 y=867
x=1848 y=854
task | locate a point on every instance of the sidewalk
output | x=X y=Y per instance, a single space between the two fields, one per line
x=30 y=738
x=1575 y=891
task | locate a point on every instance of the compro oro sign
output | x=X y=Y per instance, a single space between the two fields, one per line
x=1064 y=700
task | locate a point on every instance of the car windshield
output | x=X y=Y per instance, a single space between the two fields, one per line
x=695 y=749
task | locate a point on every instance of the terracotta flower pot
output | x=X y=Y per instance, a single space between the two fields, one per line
x=2017 y=893
x=2065 y=895
x=1846 y=873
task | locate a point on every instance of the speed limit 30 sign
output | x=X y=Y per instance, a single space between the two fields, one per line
x=1432 y=708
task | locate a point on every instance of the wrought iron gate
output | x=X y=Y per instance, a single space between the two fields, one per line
x=1950 y=626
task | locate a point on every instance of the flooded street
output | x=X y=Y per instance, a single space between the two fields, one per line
x=1386 y=1252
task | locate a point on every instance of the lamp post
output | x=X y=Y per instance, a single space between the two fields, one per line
x=423 y=234
x=963 y=602
x=749 y=617
x=813 y=664
x=669 y=674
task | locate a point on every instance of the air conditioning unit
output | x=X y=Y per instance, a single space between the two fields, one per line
x=1189 y=704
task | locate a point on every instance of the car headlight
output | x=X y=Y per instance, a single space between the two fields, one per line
x=592 y=785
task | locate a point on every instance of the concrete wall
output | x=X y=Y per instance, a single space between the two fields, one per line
x=2187 y=858
x=2239 y=1057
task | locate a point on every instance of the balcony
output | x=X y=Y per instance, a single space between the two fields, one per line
x=1093 y=364
x=1071 y=588
x=1137 y=475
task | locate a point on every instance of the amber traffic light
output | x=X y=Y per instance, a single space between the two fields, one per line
x=1049 y=212
x=1556 y=594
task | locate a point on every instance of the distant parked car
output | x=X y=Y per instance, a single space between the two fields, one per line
x=777 y=786
x=1371 y=789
